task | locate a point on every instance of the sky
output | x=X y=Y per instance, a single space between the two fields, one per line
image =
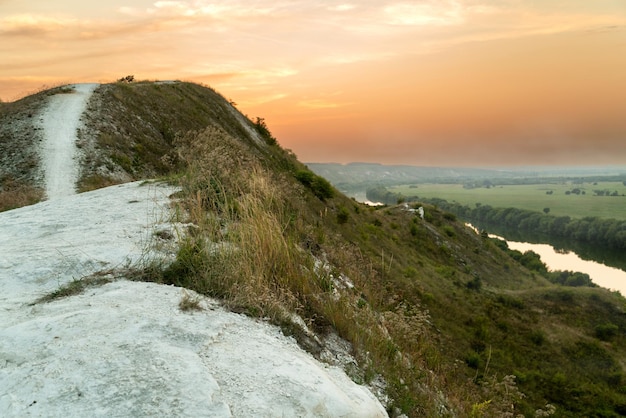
x=423 y=82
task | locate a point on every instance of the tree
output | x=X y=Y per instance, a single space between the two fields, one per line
x=546 y=210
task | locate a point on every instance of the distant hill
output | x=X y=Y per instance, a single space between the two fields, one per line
x=359 y=175
x=356 y=177
x=439 y=320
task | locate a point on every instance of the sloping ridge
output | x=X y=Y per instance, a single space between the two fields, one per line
x=125 y=348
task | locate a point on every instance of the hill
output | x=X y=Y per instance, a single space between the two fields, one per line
x=448 y=322
x=357 y=177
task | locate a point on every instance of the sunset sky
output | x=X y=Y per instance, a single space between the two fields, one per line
x=448 y=82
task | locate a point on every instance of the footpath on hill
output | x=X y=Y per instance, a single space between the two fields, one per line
x=60 y=121
x=126 y=348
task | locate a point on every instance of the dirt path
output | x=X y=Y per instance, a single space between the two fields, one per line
x=60 y=121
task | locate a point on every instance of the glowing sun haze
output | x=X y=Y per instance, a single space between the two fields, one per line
x=447 y=82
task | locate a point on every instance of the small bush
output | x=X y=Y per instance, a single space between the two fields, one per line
x=474 y=284
x=189 y=302
x=263 y=130
x=606 y=332
x=472 y=360
x=449 y=216
x=342 y=216
x=318 y=185
x=449 y=231
x=537 y=337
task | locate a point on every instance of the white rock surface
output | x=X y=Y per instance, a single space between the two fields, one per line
x=125 y=349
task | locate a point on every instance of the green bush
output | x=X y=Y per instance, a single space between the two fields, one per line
x=472 y=360
x=606 y=332
x=318 y=185
x=537 y=337
x=449 y=231
x=449 y=216
x=474 y=284
x=342 y=215
x=263 y=130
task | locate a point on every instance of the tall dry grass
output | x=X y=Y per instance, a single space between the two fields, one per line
x=246 y=248
x=14 y=194
x=243 y=247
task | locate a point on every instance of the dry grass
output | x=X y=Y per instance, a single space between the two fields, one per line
x=14 y=195
x=246 y=249
x=94 y=182
x=189 y=302
x=242 y=250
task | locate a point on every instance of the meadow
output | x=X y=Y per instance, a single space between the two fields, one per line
x=562 y=198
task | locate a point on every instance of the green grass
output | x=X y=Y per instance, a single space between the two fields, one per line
x=78 y=286
x=532 y=197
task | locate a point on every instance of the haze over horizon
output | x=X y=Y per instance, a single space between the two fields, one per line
x=424 y=82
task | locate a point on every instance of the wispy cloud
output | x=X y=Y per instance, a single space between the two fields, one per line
x=32 y=25
x=215 y=9
x=322 y=104
x=263 y=99
x=424 y=13
x=341 y=7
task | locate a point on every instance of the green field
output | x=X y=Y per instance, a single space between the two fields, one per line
x=532 y=197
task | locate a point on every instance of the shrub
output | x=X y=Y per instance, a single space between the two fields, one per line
x=318 y=185
x=263 y=130
x=449 y=231
x=189 y=302
x=606 y=332
x=449 y=216
x=474 y=284
x=342 y=215
x=537 y=337
x=472 y=360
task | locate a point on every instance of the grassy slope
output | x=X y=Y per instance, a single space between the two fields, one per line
x=441 y=313
x=136 y=130
x=532 y=197
x=20 y=174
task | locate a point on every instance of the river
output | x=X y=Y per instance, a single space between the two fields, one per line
x=611 y=278
x=608 y=277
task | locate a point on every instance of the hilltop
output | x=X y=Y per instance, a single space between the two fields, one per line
x=441 y=320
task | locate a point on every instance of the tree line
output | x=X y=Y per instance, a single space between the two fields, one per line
x=607 y=233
